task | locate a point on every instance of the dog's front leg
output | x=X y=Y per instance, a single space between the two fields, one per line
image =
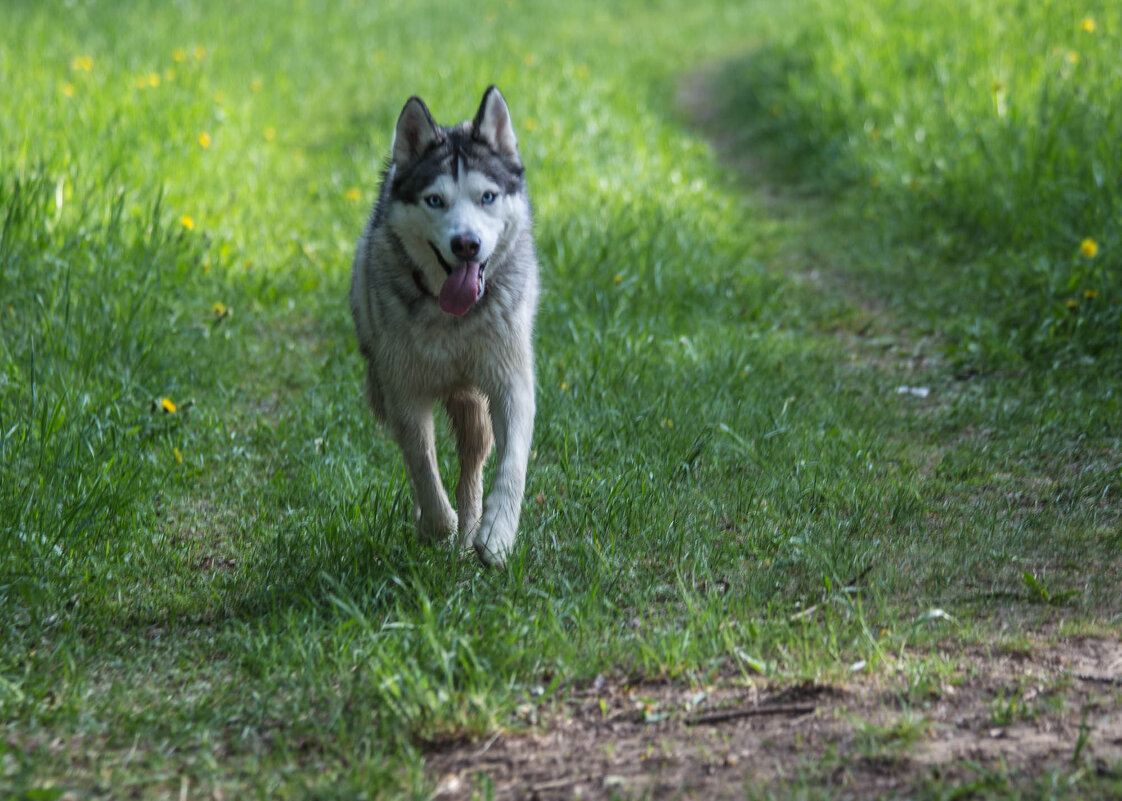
x=512 y=419
x=412 y=428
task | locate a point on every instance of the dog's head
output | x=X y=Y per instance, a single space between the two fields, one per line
x=459 y=197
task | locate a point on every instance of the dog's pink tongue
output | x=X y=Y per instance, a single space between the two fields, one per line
x=460 y=290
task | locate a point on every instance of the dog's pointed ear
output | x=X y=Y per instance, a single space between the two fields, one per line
x=492 y=123
x=415 y=133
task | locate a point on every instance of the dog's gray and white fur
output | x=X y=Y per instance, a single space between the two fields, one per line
x=444 y=292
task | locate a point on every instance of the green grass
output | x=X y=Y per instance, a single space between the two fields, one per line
x=983 y=138
x=229 y=596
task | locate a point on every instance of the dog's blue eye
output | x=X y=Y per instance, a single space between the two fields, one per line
x=434 y=201
x=487 y=198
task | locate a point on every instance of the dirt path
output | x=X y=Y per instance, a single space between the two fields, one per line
x=1023 y=712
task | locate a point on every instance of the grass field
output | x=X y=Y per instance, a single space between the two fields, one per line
x=756 y=224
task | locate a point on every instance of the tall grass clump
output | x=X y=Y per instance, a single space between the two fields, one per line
x=987 y=135
x=92 y=352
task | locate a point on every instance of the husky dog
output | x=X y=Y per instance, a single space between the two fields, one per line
x=444 y=292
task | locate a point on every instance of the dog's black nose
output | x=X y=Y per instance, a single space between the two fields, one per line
x=465 y=246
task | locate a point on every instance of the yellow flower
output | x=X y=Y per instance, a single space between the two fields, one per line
x=529 y=59
x=667 y=422
x=270 y=134
x=200 y=52
x=178 y=455
x=1090 y=294
x=178 y=55
x=187 y=222
x=153 y=79
x=68 y=89
x=1088 y=25
x=1072 y=303
x=1089 y=248
x=530 y=124
x=167 y=405
x=256 y=84
x=82 y=63
x=564 y=386
x=204 y=140
x=354 y=195
x=1072 y=57
x=618 y=279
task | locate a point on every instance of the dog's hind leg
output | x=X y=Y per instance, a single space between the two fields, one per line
x=471 y=421
x=412 y=428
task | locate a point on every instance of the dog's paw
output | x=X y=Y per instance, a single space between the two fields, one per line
x=469 y=523
x=494 y=541
x=435 y=528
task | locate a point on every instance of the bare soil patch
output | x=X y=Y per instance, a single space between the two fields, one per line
x=1019 y=711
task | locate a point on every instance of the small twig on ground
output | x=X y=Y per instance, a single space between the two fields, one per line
x=555 y=784
x=721 y=715
x=810 y=610
x=1100 y=679
x=487 y=745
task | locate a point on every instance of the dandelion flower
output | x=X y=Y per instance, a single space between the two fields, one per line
x=204 y=140
x=178 y=454
x=167 y=405
x=256 y=84
x=68 y=89
x=153 y=79
x=1072 y=303
x=200 y=52
x=82 y=64
x=354 y=195
x=564 y=386
x=618 y=279
x=1087 y=25
x=667 y=422
x=530 y=124
x=178 y=55
x=1090 y=294
x=270 y=134
x=1089 y=248
x=1072 y=57
x=188 y=222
